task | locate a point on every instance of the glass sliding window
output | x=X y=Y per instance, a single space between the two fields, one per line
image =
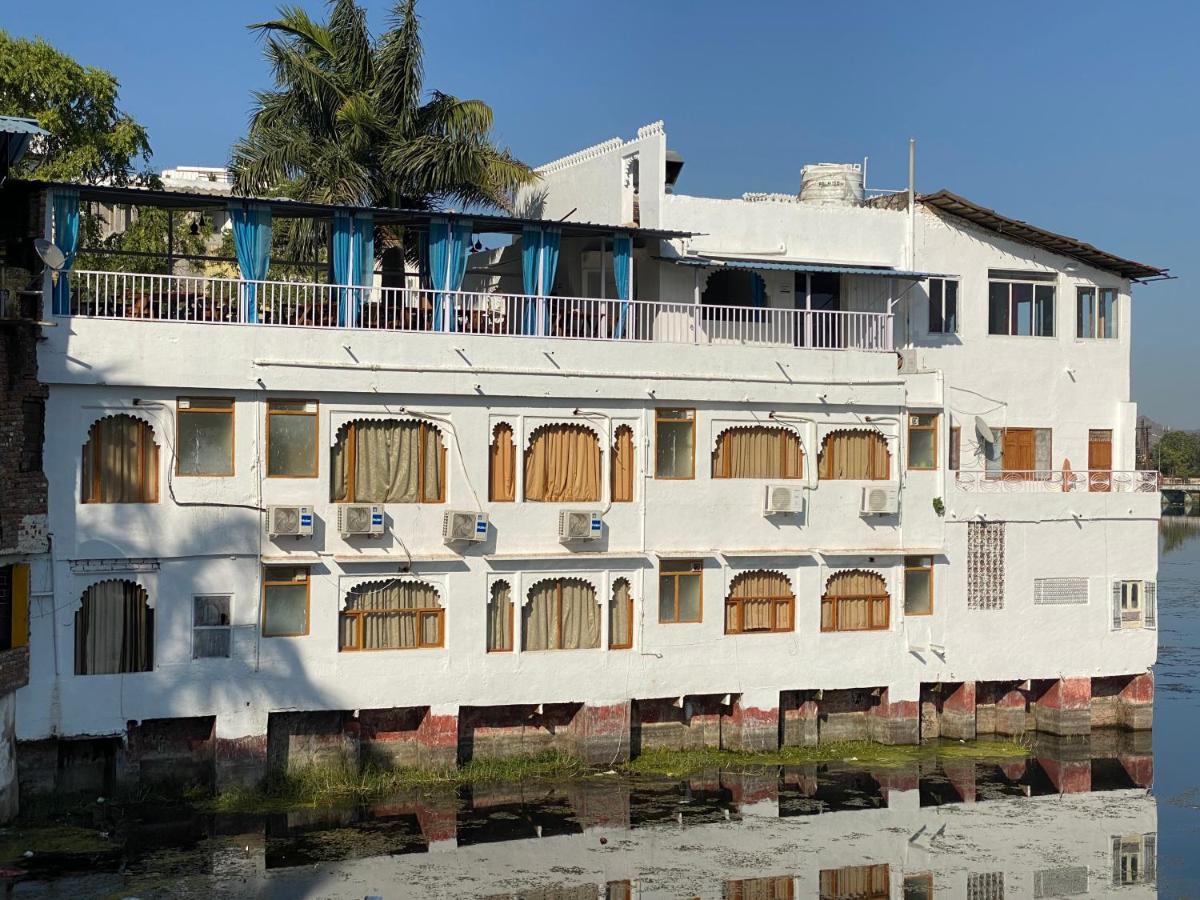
x=680 y=591
x=922 y=441
x=285 y=601
x=204 y=436
x=1085 y=312
x=1095 y=312
x=1021 y=307
x=1107 y=318
x=675 y=443
x=211 y=627
x=292 y=438
x=918 y=585
x=943 y=306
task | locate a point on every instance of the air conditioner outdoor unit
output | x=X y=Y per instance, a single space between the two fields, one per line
x=464 y=525
x=880 y=501
x=783 y=498
x=910 y=361
x=360 y=518
x=290 y=520
x=579 y=525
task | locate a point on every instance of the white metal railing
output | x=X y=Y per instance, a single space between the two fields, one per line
x=183 y=298
x=1050 y=482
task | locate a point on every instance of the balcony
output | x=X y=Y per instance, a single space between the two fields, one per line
x=201 y=299
x=1054 y=482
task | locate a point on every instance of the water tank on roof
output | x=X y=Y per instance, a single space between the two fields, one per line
x=832 y=184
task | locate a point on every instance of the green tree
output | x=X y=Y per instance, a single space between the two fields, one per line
x=90 y=140
x=349 y=123
x=148 y=233
x=1179 y=454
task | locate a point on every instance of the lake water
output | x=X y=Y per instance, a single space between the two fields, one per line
x=1118 y=815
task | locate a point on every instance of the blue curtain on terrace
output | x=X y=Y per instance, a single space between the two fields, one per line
x=66 y=236
x=551 y=238
x=439 y=252
x=353 y=262
x=342 y=225
x=363 y=246
x=622 y=257
x=531 y=252
x=456 y=268
x=252 y=240
x=758 y=290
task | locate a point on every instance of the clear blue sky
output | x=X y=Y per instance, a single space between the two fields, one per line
x=1079 y=117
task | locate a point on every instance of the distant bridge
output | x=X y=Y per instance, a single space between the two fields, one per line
x=1177 y=491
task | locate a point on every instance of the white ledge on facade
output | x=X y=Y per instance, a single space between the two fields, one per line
x=394 y=556
x=96 y=566
x=775 y=552
x=567 y=554
x=303 y=558
x=685 y=554
x=882 y=551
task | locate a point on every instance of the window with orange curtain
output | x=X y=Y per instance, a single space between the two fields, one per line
x=502 y=470
x=120 y=462
x=760 y=601
x=562 y=465
x=620 y=616
x=853 y=455
x=622 y=465
x=777 y=887
x=855 y=601
x=856 y=883
x=758 y=451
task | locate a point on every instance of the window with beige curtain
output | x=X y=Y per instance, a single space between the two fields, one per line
x=760 y=601
x=120 y=462
x=392 y=615
x=855 y=601
x=622 y=465
x=561 y=614
x=853 y=455
x=502 y=465
x=778 y=887
x=758 y=452
x=620 y=616
x=500 y=618
x=388 y=461
x=114 y=630
x=562 y=464
x=856 y=883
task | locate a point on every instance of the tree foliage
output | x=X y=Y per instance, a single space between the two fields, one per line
x=90 y=140
x=349 y=123
x=1179 y=454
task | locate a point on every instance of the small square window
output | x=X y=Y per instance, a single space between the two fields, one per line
x=675 y=443
x=680 y=591
x=918 y=585
x=285 y=601
x=922 y=440
x=211 y=626
x=292 y=438
x=204 y=436
x=943 y=306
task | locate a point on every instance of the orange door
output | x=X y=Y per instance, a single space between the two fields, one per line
x=1018 y=451
x=1099 y=459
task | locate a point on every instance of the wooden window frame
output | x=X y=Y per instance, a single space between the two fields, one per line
x=558 y=607
x=420 y=612
x=629 y=600
x=698 y=574
x=94 y=443
x=351 y=452
x=492 y=446
x=267 y=582
x=784 y=434
x=933 y=427
x=659 y=417
x=834 y=603
x=876 y=447
x=315 y=415
x=508 y=617
x=195 y=407
x=612 y=464
x=739 y=603
x=1094 y=311
x=942 y=304
x=910 y=566
x=1034 y=284
x=954 y=451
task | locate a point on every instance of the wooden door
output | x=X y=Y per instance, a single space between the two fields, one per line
x=1018 y=452
x=1100 y=459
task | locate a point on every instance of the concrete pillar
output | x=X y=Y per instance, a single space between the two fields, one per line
x=1063 y=707
x=437 y=737
x=602 y=732
x=895 y=721
x=240 y=750
x=751 y=723
x=1069 y=776
x=1011 y=713
x=8 y=758
x=1137 y=703
x=958 y=712
x=799 y=712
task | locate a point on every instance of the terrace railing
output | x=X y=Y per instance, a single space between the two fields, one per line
x=1052 y=482
x=183 y=298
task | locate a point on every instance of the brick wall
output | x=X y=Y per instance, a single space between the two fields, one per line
x=14 y=669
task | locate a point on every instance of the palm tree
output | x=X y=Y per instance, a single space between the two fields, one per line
x=348 y=122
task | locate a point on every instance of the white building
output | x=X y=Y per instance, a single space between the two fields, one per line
x=841 y=468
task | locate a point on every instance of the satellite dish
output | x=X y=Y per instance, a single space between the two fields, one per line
x=981 y=427
x=50 y=254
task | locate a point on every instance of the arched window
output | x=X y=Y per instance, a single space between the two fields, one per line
x=760 y=601
x=500 y=618
x=120 y=462
x=758 y=451
x=502 y=468
x=392 y=615
x=855 y=600
x=388 y=461
x=561 y=614
x=562 y=464
x=620 y=616
x=114 y=630
x=854 y=455
x=622 y=465
x=733 y=287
